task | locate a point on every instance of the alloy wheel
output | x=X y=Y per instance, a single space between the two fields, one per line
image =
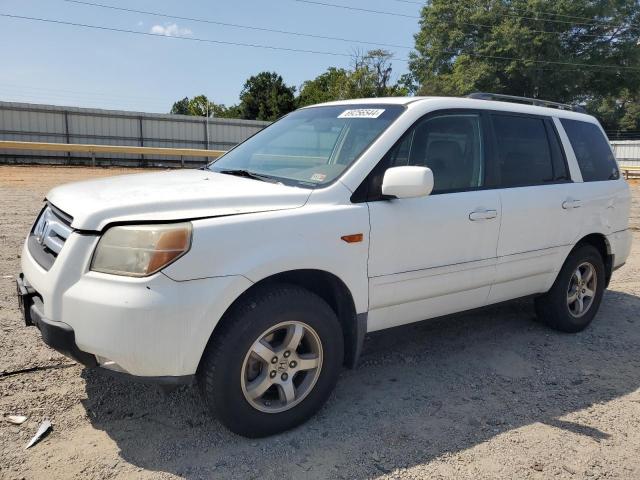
x=582 y=289
x=281 y=367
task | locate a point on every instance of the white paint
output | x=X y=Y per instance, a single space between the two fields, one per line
x=421 y=257
x=407 y=182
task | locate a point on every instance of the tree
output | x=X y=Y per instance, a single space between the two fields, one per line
x=372 y=74
x=201 y=106
x=620 y=115
x=369 y=76
x=330 y=85
x=181 y=107
x=528 y=48
x=265 y=96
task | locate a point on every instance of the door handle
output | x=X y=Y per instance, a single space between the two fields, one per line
x=482 y=215
x=569 y=204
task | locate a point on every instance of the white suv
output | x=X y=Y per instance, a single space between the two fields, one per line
x=259 y=275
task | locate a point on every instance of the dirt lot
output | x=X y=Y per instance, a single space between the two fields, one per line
x=482 y=395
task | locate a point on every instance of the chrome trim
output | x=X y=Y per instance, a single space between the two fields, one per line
x=50 y=233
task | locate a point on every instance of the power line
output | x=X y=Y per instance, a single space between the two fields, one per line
x=234 y=25
x=397 y=14
x=90 y=102
x=357 y=9
x=76 y=98
x=193 y=39
x=575 y=17
x=549 y=62
x=591 y=20
x=317 y=52
x=108 y=95
x=286 y=32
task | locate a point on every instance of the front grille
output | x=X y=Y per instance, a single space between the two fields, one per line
x=48 y=235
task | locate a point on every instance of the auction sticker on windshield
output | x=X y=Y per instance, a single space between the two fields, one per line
x=318 y=177
x=362 y=113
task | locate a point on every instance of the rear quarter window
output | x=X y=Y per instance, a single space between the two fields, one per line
x=592 y=151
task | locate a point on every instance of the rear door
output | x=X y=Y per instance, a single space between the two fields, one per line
x=539 y=202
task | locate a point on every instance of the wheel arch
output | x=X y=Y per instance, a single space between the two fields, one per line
x=600 y=242
x=332 y=290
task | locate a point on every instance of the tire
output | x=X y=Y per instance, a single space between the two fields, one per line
x=234 y=363
x=560 y=307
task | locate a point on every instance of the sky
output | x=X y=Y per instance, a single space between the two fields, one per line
x=75 y=66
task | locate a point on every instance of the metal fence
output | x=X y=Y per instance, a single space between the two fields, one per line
x=48 y=123
x=627 y=152
x=71 y=125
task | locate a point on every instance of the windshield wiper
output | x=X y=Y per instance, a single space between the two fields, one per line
x=248 y=174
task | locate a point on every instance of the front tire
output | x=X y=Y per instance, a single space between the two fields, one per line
x=274 y=361
x=574 y=299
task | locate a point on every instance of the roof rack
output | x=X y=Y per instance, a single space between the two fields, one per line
x=529 y=101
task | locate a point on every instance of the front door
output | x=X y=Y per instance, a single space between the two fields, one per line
x=434 y=255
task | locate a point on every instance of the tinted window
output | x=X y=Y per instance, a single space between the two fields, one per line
x=451 y=145
x=524 y=156
x=592 y=151
x=560 y=169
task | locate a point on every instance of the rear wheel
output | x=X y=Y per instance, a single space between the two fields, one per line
x=573 y=300
x=274 y=361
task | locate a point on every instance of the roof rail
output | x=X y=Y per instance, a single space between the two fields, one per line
x=530 y=101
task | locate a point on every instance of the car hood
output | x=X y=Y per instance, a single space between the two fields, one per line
x=170 y=195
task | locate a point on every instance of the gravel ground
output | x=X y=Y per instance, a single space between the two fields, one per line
x=481 y=395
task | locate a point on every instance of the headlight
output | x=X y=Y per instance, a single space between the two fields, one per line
x=138 y=251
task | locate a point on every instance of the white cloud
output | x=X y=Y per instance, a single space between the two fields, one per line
x=171 y=30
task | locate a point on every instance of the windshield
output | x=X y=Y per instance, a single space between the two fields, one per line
x=310 y=147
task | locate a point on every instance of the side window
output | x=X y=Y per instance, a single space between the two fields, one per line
x=560 y=169
x=592 y=151
x=451 y=145
x=524 y=154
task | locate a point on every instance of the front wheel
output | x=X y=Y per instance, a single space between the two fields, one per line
x=574 y=298
x=274 y=361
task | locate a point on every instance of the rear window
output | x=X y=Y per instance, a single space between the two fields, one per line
x=592 y=151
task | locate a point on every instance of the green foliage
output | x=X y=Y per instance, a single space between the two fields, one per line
x=369 y=77
x=265 y=96
x=617 y=114
x=181 y=107
x=510 y=46
x=531 y=48
x=330 y=85
x=201 y=106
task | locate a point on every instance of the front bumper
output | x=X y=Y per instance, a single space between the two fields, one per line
x=57 y=335
x=152 y=327
x=140 y=346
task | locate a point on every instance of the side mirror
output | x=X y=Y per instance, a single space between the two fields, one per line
x=407 y=182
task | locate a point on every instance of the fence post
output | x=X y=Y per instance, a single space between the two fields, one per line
x=66 y=133
x=142 y=159
x=93 y=159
